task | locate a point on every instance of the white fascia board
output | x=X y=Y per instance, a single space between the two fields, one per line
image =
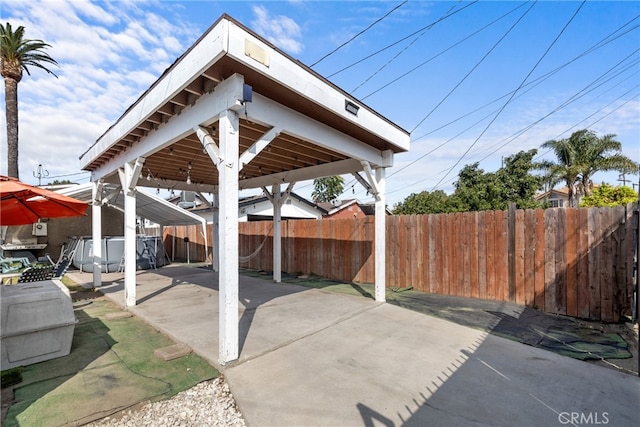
x=252 y=52
x=264 y=110
x=203 y=112
x=198 y=60
x=340 y=167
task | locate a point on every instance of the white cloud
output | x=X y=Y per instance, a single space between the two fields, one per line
x=108 y=55
x=281 y=30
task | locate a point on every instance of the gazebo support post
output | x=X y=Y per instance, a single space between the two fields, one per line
x=380 y=235
x=277 y=233
x=96 y=232
x=215 y=231
x=229 y=128
x=128 y=179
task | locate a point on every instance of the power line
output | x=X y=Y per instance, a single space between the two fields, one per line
x=359 y=34
x=537 y=81
x=459 y=42
x=475 y=66
x=608 y=39
x=569 y=101
x=593 y=114
x=513 y=94
x=401 y=40
x=397 y=55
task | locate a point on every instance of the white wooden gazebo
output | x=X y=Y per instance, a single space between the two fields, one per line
x=234 y=112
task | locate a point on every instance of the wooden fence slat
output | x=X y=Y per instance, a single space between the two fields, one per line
x=606 y=265
x=582 y=261
x=561 y=265
x=550 y=261
x=502 y=256
x=539 y=285
x=481 y=253
x=529 y=228
x=473 y=255
x=490 y=236
x=433 y=259
x=570 y=254
x=595 y=242
x=519 y=245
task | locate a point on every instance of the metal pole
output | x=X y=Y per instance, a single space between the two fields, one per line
x=39 y=173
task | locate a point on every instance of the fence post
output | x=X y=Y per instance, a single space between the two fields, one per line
x=511 y=248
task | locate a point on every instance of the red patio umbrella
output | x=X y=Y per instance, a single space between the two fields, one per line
x=22 y=203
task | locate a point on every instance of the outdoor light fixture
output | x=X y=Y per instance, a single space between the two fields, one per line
x=189 y=174
x=247 y=93
x=351 y=107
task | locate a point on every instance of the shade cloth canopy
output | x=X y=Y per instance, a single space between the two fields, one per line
x=22 y=203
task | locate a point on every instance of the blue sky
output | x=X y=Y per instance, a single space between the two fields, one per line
x=451 y=84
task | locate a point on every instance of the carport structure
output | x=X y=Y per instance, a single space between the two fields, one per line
x=234 y=112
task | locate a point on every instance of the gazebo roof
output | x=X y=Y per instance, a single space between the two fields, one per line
x=309 y=122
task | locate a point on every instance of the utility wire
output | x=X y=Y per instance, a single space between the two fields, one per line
x=401 y=40
x=598 y=45
x=512 y=95
x=573 y=98
x=359 y=34
x=474 y=67
x=422 y=64
x=593 y=114
x=542 y=78
x=537 y=81
x=403 y=50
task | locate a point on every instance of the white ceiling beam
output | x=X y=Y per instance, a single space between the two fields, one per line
x=258 y=146
x=204 y=112
x=264 y=110
x=340 y=167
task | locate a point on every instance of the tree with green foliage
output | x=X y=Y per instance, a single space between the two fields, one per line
x=60 y=182
x=580 y=156
x=607 y=195
x=477 y=190
x=514 y=182
x=17 y=54
x=519 y=182
x=424 y=203
x=327 y=189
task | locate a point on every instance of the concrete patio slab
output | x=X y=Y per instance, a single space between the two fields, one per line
x=312 y=357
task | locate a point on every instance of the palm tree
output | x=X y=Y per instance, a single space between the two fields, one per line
x=18 y=54
x=580 y=156
x=565 y=169
x=602 y=154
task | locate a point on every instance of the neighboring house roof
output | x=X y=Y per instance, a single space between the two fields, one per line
x=562 y=193
x=334 y=207
x=558 y=192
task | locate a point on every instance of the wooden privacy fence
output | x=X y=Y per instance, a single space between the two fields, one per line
x=575 y=262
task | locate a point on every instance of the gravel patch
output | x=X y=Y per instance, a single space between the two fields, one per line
x=209 y=403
